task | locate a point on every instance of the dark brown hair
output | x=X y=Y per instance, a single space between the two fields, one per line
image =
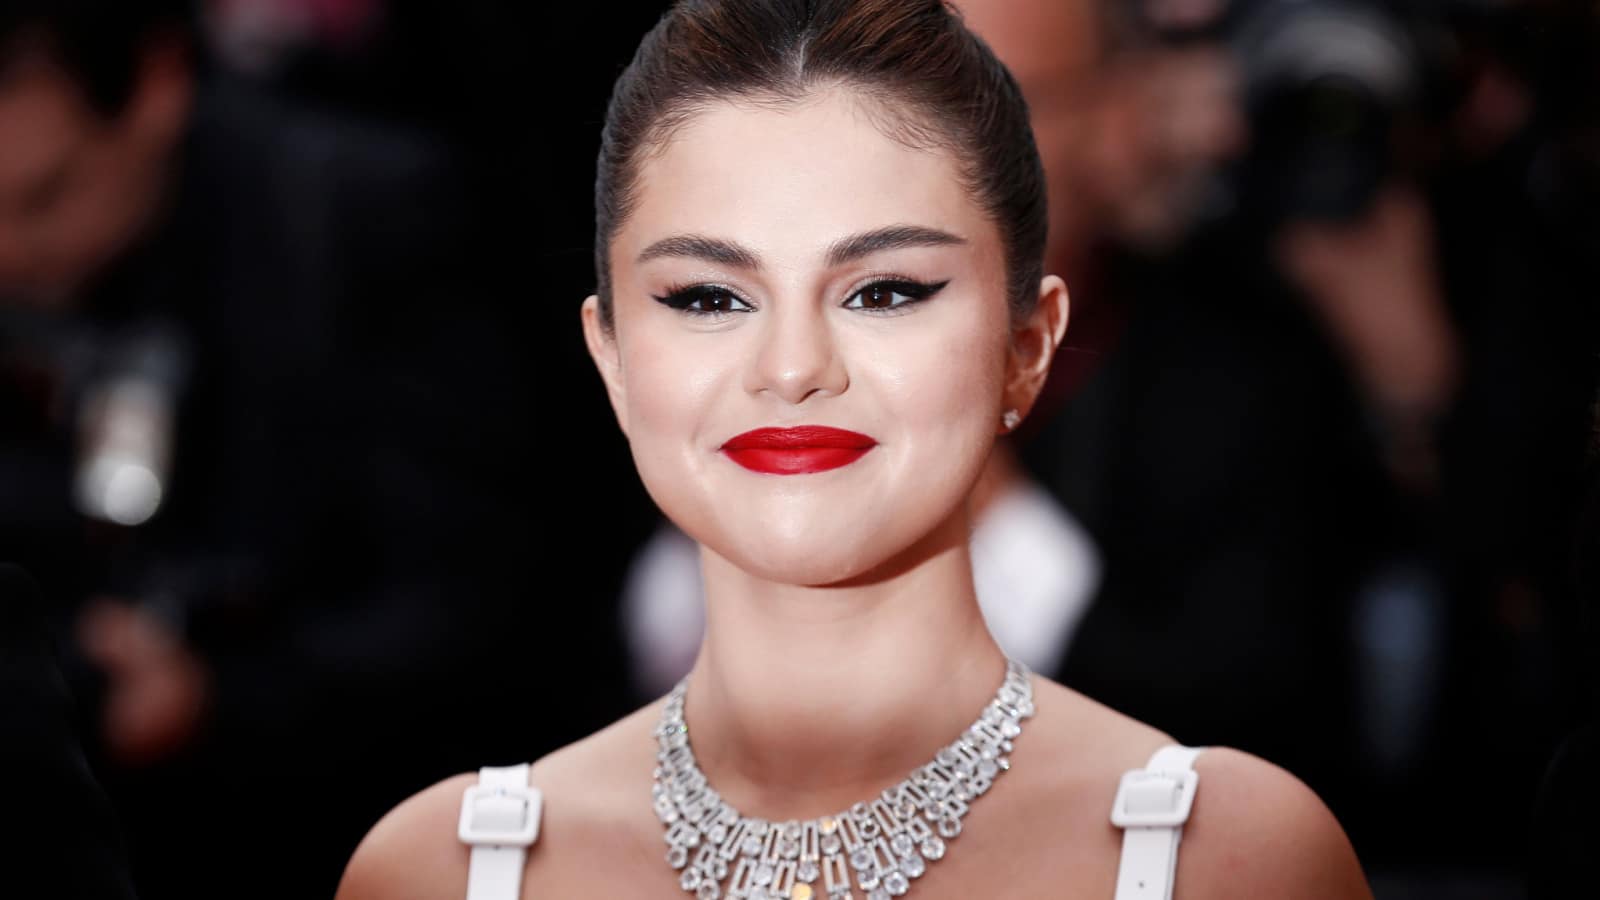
x=937 y=84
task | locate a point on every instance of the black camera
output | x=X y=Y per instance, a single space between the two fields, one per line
x=1323 y=85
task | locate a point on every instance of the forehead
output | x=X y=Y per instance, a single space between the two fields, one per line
x=791 y=177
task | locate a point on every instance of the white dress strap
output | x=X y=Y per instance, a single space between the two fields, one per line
x=499 y=821
x=1151 y=806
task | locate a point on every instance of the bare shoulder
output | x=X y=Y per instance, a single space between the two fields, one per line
x=1090 y=730
x=1255 y=831
x=413 y=853
x=1258 y=831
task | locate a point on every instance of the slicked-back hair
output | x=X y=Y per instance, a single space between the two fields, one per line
x=935 y=83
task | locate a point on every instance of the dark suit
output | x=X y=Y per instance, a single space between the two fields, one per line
x=1564 y=831
x=62 y=839
x=354 y=542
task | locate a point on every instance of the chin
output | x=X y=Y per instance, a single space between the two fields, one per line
x=854 y=549
x=835 y=531
x=789 y=549
x=806 y=565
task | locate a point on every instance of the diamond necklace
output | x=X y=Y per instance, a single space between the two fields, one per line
x=886 y=842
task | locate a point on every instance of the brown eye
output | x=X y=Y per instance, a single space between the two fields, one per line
x=877 y=296
x=887 y=296
x=705 y=300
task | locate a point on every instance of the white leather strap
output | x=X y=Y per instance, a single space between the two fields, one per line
x=499 y=821
x=1151 y=806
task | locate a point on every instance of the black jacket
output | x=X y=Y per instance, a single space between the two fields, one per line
x=62 y=837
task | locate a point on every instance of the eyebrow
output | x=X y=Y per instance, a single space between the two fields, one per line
x=849 y=249
x=894 y=237
x=695 y=246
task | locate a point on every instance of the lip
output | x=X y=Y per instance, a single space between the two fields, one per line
x=799 y=450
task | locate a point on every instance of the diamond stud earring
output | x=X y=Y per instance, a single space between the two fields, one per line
x=1011 y=419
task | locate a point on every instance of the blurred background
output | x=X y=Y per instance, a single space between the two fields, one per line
x=300 y=444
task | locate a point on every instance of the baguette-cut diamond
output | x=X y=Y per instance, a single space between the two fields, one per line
x=887 y=843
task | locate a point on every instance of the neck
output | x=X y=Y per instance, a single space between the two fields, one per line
x=805 y=700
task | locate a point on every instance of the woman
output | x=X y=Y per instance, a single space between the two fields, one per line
x=820 y=301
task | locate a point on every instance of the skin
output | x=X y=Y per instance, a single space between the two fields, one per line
x=157 y=689
x=77 y=186
x=1374 y=285
x=843 y=643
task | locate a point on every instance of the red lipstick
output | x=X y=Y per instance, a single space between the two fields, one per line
x=797 y=451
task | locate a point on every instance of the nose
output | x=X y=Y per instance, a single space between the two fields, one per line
x=798 y=356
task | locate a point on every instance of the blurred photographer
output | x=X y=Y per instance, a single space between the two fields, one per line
x=1326 y=106
x=94 y=352
x=257 y=444
x=1331 y=345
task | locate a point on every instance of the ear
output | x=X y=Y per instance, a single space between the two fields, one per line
x=1033 y=345
x=602 y=343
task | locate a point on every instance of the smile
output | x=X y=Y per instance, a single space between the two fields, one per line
x=797 y=451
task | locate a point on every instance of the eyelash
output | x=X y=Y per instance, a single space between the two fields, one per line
x=683 y=299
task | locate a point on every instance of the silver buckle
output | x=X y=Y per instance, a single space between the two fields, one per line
x=500 y=816
x=1148 y=799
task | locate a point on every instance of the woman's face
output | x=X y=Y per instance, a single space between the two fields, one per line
x=791 y=267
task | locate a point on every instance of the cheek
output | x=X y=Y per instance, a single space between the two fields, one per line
x=97 y=213
x=673 y=388
x=942 y=401
x=946 y=380
x=671 y=384
x=941 y=396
